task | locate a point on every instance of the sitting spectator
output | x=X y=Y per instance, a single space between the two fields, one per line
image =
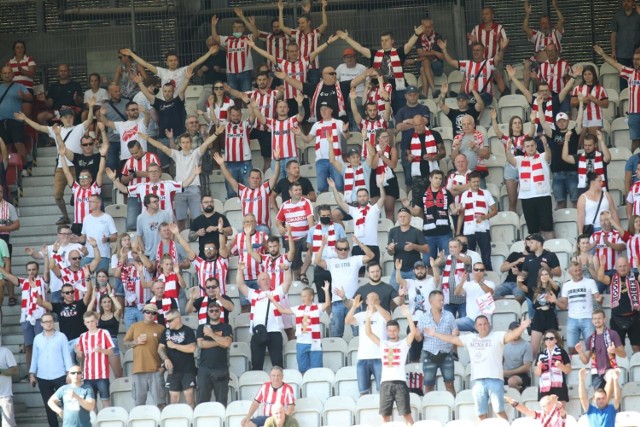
x=545 y=298
x=279 y=418
x=517 y=360
x=456 y=264
x=552 y=411
x=594 y=98
x=513 y=267
x=404 y=123
x=552 y=365
x=24 y=70
x=95 y=91
x=477 y=292
x=272 y=392
x=602 y=412
x=65 y=93
x=430 y=56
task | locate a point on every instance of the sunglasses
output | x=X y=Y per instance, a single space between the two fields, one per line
x=214 y=310
x=149 y=312
x=171 y=320
x=75 y=373
x=212 y=287
x=75 y=258
x=89 y=144
x=84 y=177
x=218 y=88
x=479 y=269
x=67 y=292
x=342 y=249
x=549 y=338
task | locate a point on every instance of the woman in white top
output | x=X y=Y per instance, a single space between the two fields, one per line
x=95 y=91
x=588 y=210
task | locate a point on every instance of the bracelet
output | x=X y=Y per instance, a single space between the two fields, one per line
x=104 y=157
x=416 y=34
x=515 y=403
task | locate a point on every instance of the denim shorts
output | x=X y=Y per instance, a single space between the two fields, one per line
x=510 y=172
x=99 y=386
x=634 y=125
x=485 y=389
x=116 y=348
x=576 y=328
x=430 y=369
x=563 y=183
x=30 y=331
x=509 y=288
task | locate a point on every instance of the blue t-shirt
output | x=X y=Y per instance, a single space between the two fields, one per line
x=12 y=102
x=407 y=112
x=631 y=166
x=74 y=414
x=602 y=417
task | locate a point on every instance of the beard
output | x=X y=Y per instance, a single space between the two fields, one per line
x=208 y=209
x=421 y=276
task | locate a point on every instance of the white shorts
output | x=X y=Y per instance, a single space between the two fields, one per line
x=591 y=123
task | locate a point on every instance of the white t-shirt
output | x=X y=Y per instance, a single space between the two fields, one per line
x=6 y=361
x=128 y=131
x=55 y=284
x=473 y=291
x=144 y=104
x=345 y=73
x=176 y=77
x=368 y=232
x=72 y=138
x=485 y=354
x=531 y=189
x=579 y=297
x=97 y=227
x=101 y=96
x=418 y=292
x=394 y=356
x=259 y=311
x=344 y=274
x=366 y=348
x=185 y=164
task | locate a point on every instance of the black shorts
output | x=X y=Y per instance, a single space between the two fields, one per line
x=180 y=381
x=76 y=229
x=264 y=139
x=526 y=380
x=627 y=326
x=392 y=189
x=11 y=131
x=538 y=213
x=301 y=246
x=394 y=391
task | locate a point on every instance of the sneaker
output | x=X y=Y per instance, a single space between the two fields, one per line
x=25 y=173
x=62 y=220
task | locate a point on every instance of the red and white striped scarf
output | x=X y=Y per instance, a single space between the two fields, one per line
x=446 y=276
x=598 y=168
x=173 y=252
x=606 y=335
x=353 y=181
x=204 y=307
x=441 y=217
x=382 y=169
x=363 y=215
x=131 y=283
x=548 y=113
x=552 y=419
x=337 y=149
x=314 y=101
x=531 y=171
x=632 y=291
x=221 y=111
x=475 y=205
x=308 y=321
x=416 y=146
x=396 y=66
x=552 y=376
x=257 y=297
x=163 y=304
x=30 y=309
x=317 y=237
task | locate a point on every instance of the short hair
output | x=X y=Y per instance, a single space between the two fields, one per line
x=130 y=103
x=434 y=293
x=393 y=322
x=591 y=137
x=64 y=285
x=305 y=16
x=386 y=33
x=482 y=316
x=342 y=240
x=436 y=172
x=32 y=262
x=47 y=314
x=166 y=257
x=173 y=311
x=273 y=239
x=88 y=314
x=63 y=227
x=294 y=161
x=153 y=165
x=133 y=143
x=263 y=73
x=599 y=311
x=235 y=108
x=152 y=81
x=277 y=368
x=214 y=304
x=238 y=21
x=169 y=84
x=171 y=53
x=97 y=196
x=475 y=174
x=212 y=279
x=255 y=170
x=147 y=199
x=297 y=184
x=94 y=75
x=324 y=207
x=370 y=103
x=186 y=136
x=373 y=264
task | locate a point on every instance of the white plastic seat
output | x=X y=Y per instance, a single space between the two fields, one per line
x=176 y=415
x=339 y=410
x=563 y=250
x=438 y=405
x=143 y=415
x=113 y=416
x=619 y=157
x=611 y=111
x=517 y=246
x=236 y=411
x=334 y=353
x=346 y=382
x=623 y=102
x=627 y=419
x=525 y=422
x=507 y=311
x=499 y=253
x=504 y=227
x=630 y=396
x=232 y=204
x=318 y=382
x=308 y=171
x=428 y=423
x=240 y=325
x=239 y=358
x=209 y=414
x=464 y=406
x=120 y=390
x=250 y=382
x=461 y=423
x=634 y=367
x=454 y=79
x=127 y=363
x=326 y=198
x=512 y=105
x=494 y=422
x=119 y=214
x=367 y=408
x=565 y=224
x=293 y=377
x=289 y=353
x=609 y=77
x=308 y=411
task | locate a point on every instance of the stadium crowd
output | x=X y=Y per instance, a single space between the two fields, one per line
x=440 y=282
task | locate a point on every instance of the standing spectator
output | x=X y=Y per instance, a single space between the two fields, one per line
x=576 y=296
x=273 y=392
x=430 y=57
x=485 y=348
x=602 y=412
x=552 y=411
x=8 y=368
x=176 y=349
x=372 y=120
x=426 y=149
x=205 y=228
x=200 y=304
x=555 y=71
x=292 y=175
x=124 y=75
x=65 y=93
x=537 y=258
x=344 y=274
x=436 y=353
x=388 y=297
x=23 y=68
x=5 y=262
x=406 y=243
x=136 y=171
x=385 y=159
x=517 y=361
x=479 y=295
x=77 y=400
x=631 y=175
x=633 y=196
x=239 y=59
x=266 y=321
x=544 y=305
x=553 y=364
x=625 y=37
x=594 y=158
x=404 y=123
x=349 y=70
x=14 y=96
x=128 y=129
x=214 y=68
x=369 y=354
x=458 y=182
x=109 y=318
x=477 y=207
x=417 y=290
x=87 y=158
x=149 y=221
x=393 y=383
x=98 y=226
x=9 y=222
x=594 y=99
x=472 y=143
x=147 y=374
x=153 y=85
x=115 y=109
x=607 y=242
x=214 y=339
x=465 y=107
x=493 y=37
x=94 y=348
x=625 y=301
x=163 y=304
x=355 y=174
x=535 y=188
x=50 y=363
x=601 y=350
x=632 y=76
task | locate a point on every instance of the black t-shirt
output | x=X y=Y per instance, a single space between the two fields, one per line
x=224 y=313
x=171 y=115
x=556 y=143
x=182 y=362
x=160 y=317
x=385 y=291
x=434 y=213
x=385 y=68
x=212 y=237
x=513 y=257
x=328 y=94
x=625 y=303
x=91 y=163
x=282 y=187
x=211 y=76
x=590 y=164
x=532 y=264
x=214 y=357
x=70 y=318
x=413 y=235
x=456 y=117
x=63 y=94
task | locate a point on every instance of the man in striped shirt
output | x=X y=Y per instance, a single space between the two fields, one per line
x=295 y=219
x=239 y=60
x=493 y=37
x=272 y=392
x=556 y=72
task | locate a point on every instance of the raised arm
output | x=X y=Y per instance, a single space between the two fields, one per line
x=157 y=144
x=188 y=73
x=442 y=44
x=227 y=175
x=494 y=123
x=451 y=339
x=214 y=29
x=62 y=149
x=344 y=35
x=139 y=60
x=290 y=80
x=337 y=195
x=262 y=52
x=373 y=337
x=524 y=90
x=210 y=139
x=283 y=27
x=417 y=32
x=560 y=21
x=116 y=183
x=242 y=287
x=332 y=38
x=609 y=60
x=250 y=22
x=23 y=118
x=325 y=22
x=319 y=261
x=525 y=22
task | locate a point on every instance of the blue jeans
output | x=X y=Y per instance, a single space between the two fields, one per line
x=72 y=352
x=56 y=296
x=253 y=284
x=338 y=314
x=283 y=166
x=398 y=100
x=134 y=209
x=466 y=324
x=565 y=183
x=131 y=316
x=459 y=310
x=102 y=265
x=483 y=241
x=240 y=81
x=436 y=243
x=306 y=358
x=365 y=369
x=634 y=125
x=577 y=328
x=484 y=389
x=404 y=274
x=324 y=170
x=240 y=172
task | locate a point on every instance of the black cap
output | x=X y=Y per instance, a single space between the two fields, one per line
x=354 y=151
x=403 y=209
x=536 y=236
x=419 y=264
x=325 y=104
x=65 y=111
x=412 y=89
x=513 y=325
x=462 y=95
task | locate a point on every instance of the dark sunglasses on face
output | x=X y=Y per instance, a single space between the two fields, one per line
x=212 y=287
x=549 y=338
x=75 y=258
x=478 y=269
x=342 y=249
x=149 y=312
x=67 y=292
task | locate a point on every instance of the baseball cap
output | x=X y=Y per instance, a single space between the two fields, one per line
x=150 y=307
x=536 y=236
x=403 y=209
x=562 y=116
x=513 y=325
x=354 y=151
x=419 y=264
x=462 y=95
x=348 y=51
x=412 y=89
x=66 y=112
x=325 y=104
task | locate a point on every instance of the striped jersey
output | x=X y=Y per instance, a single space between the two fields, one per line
x=256 y=201
x=81 y=200
x=296 y=216
x=96 y=364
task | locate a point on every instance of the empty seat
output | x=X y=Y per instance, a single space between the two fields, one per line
x=240 y=325
x=507 y=311
x=250 y=382
x=627 y=419
x=120 y=390
x=504 y=227
x=176 y=415
x=464 y=406
x=438 y=405
x=293 y=377
x=334 y=353
x=563 y=250
x=619 y=157
x=144 y=415
x=609 y=77
x=308 y=411
x=346 y=382
x=367 y=409
x=114 y=416
x=512 y=105
x=236 y=411
x=318 y=382
x=565 y=224
x=239 y=358
x=208 y=414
